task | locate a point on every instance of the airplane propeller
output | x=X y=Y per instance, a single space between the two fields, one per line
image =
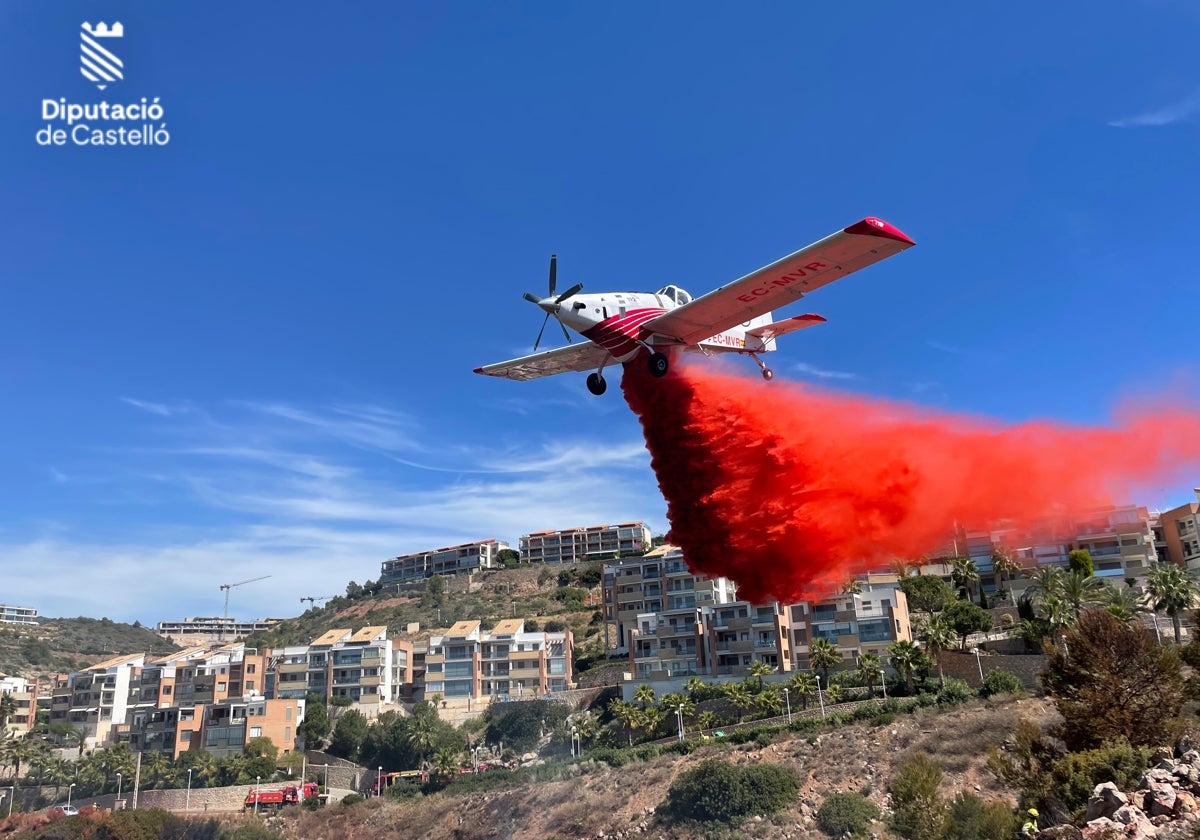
x=552 y=308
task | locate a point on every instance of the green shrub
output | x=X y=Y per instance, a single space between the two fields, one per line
x=252 y=831
x=716 y=791
x=955 y=691
x=147 y=824
x=684 y=747
x=352 y=799
x=971 y=818
x=1074 y=776
x=846 y=812
x=917 y=811
x=1000 y=681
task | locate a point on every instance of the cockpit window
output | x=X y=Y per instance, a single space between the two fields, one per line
x=676 y=294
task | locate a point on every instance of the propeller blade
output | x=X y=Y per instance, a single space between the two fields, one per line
x=532 y=298
x=571 y=291
x=564 y=329
x=542 y=330
x=553 y=272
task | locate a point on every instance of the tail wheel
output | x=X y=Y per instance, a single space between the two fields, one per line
x=658 y=364
x=596 y=384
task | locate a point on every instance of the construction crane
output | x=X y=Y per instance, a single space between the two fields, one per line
x=227 y=587
x=312 y=599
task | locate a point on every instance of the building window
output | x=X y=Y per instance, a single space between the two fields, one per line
x=255 y=731
x=220 y=686
x=287 y=734
x=287 y=714
x=249 y=685
x=185 y=736
x=166 y=689
x=250 y=668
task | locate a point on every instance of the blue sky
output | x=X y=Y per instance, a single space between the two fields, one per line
x=249 y=351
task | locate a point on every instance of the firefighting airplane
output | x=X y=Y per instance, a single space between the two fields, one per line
x=735 y=318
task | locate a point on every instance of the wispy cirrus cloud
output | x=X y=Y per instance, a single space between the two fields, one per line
x=161 y=409
x=823 y=373
x=942 y=347
x=1168 y=115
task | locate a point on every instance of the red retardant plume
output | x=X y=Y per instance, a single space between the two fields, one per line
x=789 y=491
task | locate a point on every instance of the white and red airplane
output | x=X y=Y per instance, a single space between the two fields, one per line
x=735 y=318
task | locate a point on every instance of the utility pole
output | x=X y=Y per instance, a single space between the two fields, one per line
x=226 y=587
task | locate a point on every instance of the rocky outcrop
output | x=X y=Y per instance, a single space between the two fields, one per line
x=1165 y=805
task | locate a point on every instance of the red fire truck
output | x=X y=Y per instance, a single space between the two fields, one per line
x=276 y=798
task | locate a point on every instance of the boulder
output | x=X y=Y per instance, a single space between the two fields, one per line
x=1061 y=832
x=1135 y=822
x=1185 y=803
x=1160 y=800
x=1101 y=828
x=1106 y=799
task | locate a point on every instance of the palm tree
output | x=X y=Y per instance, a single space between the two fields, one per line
x=964 y=574
x=1078 y=590
x=644 y=695
x=1004 y=566
x=652 y=718
x=421 y=735
x=937 y=635
x=154 y=769
x=760 y=669
x=739 y=697
x=823 y=655
x=1047 y=581
x=670 y=705
x=446 y=764
x=804 y=685
x=904 y=656
x=1174 y=590
x=626 y=714
x=851 y=587
x=1059 y=614
x=8 y=708
x=869 y=666
x=708 y=720
x=903 y=568
x=693 y=686
x=1124 y=603
x=771 y=702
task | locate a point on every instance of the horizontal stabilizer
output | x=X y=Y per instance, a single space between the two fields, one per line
x=768 y=331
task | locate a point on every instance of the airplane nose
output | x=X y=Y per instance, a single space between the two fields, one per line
x=548 y=306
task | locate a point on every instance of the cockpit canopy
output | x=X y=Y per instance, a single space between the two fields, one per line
x=676 y=294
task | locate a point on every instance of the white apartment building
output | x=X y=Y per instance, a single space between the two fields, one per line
x=364 y=665
x=17 y=615
x=578 y=545
x=95 y=701
x=451 y=560
x=505 y=663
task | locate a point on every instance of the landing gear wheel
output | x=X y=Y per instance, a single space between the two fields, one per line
x=658 y=364
x=768 y=374
x=596 y=384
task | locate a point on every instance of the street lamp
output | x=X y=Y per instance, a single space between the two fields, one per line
x=820 y=696
x=679 y=715
x=118 y=787
x=883 y=682
x=187 y=803
x=257 y=791
x=379 y=782
x=788 y=699
x=574 y=735
x=326 y=781
x=979 y=662
x=69 y=789
x=12 y=794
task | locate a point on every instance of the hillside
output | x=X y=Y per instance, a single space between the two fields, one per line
x=60 y=645
x=593 y=800
x=546 y=596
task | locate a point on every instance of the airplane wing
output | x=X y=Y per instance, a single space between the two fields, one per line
x=573 y=357
x=782 y=282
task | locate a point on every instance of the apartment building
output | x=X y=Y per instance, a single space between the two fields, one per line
x=652 y=604
x=25 y=695
x=734 y=636
x=856 y=622
x=364 y=665
x=200 y=629
x=451 y=560
x=222 y=728
x=17 y=615
x=94 y=701
x=578 y=545
x=507 y=662
x=1178 y=532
